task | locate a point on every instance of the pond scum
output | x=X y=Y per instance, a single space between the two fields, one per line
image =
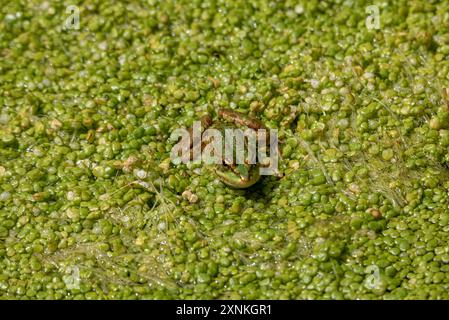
x=92 y=208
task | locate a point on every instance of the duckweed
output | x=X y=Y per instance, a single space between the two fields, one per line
x=92 y=208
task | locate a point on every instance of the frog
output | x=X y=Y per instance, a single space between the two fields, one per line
x=235 y=175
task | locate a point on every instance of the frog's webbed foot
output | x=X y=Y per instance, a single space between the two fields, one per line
x=206 y=122
x=240 y=119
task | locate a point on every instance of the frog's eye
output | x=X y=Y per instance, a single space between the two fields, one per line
x=242 y=171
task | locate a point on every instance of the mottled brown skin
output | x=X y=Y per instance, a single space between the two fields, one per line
x=234 y=175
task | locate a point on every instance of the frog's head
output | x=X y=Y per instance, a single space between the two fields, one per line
x=241 y=176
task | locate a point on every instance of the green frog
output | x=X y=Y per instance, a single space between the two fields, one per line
x=236 y=175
